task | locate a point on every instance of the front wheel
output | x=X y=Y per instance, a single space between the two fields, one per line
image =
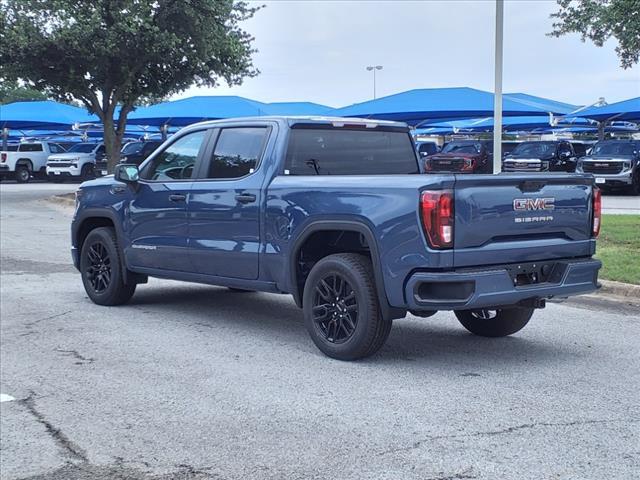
x=87 y=172
x=341 y=309
x=101 y=268
x=494 y=323
x=23 y=174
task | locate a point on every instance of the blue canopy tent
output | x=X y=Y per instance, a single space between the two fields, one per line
x=40 y=115
x=419 y=106
x=509 y=124
x=186 y=111
x=553 y=106
x=298 y=108
x=625 y=110
x=45 y=114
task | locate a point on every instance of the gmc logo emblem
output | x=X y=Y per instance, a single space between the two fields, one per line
x=526 y=204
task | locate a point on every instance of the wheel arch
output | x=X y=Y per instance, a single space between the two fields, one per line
x=90 y=219
x=26 y=162
x=355 y=226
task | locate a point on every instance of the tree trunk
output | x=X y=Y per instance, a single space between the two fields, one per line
x=112 y=143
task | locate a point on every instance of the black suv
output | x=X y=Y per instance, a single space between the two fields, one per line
x=542 y=156
x=132 y=152
x=615 y=164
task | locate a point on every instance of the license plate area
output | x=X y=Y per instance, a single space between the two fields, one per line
x=600 y=181
x=534 y=273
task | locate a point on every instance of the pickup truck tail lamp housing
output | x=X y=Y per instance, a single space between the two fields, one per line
x=597 y=211
x=436 y=210
x=3 y=157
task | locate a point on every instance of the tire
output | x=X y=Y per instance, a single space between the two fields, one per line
x=87 y=172
x=352 y=327
x=101 y=269
x=23 y=174
x=494 y=322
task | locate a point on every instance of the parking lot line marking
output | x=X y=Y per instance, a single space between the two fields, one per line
x=6 y=398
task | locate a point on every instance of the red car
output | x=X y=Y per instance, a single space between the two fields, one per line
x=462 y=156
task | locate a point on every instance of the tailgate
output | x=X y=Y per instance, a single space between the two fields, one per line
x=513 y=218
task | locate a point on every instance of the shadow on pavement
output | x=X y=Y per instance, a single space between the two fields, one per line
x=438 y=341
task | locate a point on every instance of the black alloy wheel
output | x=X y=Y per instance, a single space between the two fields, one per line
x=102 y=269
x=335 y=309
x=341 y=307
x=98 y=271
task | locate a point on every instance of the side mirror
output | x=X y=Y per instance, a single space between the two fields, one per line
x=127 y=173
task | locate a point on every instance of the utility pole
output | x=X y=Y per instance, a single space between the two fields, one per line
x=373 y=68
x=497 y=93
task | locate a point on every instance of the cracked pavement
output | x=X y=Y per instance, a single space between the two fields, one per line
x=197 y=382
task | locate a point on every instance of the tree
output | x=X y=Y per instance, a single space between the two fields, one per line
x=110 y=53
x=12 y=91
x=599 y=20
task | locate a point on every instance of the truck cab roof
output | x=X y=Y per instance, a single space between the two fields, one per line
x=320 y=121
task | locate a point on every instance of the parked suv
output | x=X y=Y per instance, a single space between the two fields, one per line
x=29 y=158
x=615 y=164
x=544 y=156
x=78 y=162
x=462 y=156
x=132 y=152
x=339 y=216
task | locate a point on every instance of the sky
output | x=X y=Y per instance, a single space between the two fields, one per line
x=318 y=51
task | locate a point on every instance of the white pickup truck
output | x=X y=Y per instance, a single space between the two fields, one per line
x=78 y=162
x=30 y=158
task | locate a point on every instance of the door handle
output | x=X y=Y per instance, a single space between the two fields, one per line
x=246 y=197
x=177 y=197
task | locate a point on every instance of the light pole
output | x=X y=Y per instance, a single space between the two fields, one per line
x=373 y=68
x=497 y=93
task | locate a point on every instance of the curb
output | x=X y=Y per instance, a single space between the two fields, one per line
x=619 y=289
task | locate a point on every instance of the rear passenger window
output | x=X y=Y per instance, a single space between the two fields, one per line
x=237 y=152
x=30 y=147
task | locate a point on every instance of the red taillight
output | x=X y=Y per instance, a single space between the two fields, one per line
x=436 y=208
x=597 y=211
x=3 y=157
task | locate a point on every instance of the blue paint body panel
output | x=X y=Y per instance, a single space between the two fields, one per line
x=211 y=237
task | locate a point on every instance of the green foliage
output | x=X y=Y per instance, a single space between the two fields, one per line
x=12 y=91
x=106 y=53
x=599 y=20
x=618 y=247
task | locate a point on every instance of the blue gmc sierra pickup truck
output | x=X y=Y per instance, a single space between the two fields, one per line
x=337 y=213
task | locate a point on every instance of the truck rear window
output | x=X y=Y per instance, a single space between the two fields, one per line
x=342 y=151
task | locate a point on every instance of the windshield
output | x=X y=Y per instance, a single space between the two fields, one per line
x=535 y=149
x=613 y=149
x=341 y=151
x=82 y=148
x=132 y=148
x=454 y=147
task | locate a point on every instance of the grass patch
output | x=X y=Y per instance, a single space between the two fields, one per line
x=619 y=248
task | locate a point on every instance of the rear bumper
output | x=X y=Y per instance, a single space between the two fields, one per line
x=494 y=286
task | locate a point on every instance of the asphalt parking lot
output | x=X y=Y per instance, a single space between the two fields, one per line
x=195 y=382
